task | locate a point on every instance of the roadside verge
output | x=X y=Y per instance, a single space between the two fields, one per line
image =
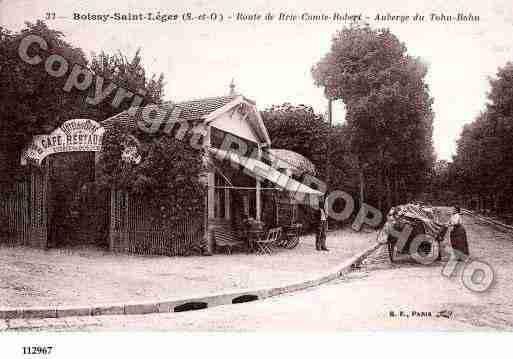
x=191 y=303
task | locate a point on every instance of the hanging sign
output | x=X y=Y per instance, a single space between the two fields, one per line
x=73 y=136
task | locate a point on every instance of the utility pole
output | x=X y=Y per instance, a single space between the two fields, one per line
x=328 y=152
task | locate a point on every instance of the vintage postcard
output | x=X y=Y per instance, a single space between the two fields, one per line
x=219 y=166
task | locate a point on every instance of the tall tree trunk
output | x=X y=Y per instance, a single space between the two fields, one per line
x=496 y=202
x=389 y=194
x=380 y=188
x=362 y=187
x=396 y=185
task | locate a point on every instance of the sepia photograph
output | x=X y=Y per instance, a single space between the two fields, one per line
x=268 y=168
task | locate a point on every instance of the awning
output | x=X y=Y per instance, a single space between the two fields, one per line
x=291 y=160
x=263 y=171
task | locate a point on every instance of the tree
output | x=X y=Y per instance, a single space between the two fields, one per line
x=388 y=109
x=129 y=75
x=299 y=129
x=440 y=187
x=483 y=165
x=32 y=102
x=167 y=176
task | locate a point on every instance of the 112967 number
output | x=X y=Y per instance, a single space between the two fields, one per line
x=37 y=350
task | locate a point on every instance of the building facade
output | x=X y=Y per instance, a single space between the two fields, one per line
x=58 y=204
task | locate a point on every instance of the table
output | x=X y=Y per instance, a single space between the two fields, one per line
x=253 y=235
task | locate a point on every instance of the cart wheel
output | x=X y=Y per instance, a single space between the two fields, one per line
x=425 y=248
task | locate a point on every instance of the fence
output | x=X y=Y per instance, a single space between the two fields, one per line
x=132 y=231
x=23 y=212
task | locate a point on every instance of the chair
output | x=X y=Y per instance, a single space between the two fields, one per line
x=227 y=237
x=291 y=237
x=264 y=246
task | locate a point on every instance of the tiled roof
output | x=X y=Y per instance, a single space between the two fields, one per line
x=195 y=109
x=190 y=110
x=292 y=160
x=121 y=120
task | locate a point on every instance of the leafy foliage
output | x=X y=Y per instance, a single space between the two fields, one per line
x=483 y=165
x=389 y=116
x=299 y=129
x=32 y=102
x=168 y=177
x=128 y=74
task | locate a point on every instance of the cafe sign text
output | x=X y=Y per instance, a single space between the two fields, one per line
x=73 y=135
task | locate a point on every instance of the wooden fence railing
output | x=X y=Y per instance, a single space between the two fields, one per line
x=15 y=215
x=23 y=212
x=132 y=231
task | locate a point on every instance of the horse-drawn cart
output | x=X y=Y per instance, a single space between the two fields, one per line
x=422 y=227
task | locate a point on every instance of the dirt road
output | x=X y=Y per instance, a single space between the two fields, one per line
x=379 y=296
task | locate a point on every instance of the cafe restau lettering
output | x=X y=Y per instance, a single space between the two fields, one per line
x=73 y=135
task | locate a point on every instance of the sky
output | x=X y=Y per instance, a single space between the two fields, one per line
x=270 y=62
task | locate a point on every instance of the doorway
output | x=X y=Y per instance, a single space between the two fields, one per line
x=77 y=209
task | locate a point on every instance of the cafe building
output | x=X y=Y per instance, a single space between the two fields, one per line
x=57 y=205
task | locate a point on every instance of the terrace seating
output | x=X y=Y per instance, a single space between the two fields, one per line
x=290 y=239
x=265 y=246
x=227 y=237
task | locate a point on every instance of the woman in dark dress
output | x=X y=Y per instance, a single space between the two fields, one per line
x=459 y=242
x=320 y=239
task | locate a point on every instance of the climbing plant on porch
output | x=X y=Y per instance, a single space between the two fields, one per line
x=166 y=175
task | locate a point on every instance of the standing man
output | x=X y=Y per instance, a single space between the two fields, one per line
x=459 y=241
x=320 y=240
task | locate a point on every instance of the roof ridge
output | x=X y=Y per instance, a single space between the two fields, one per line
x=197 y=99
x=191 y=109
